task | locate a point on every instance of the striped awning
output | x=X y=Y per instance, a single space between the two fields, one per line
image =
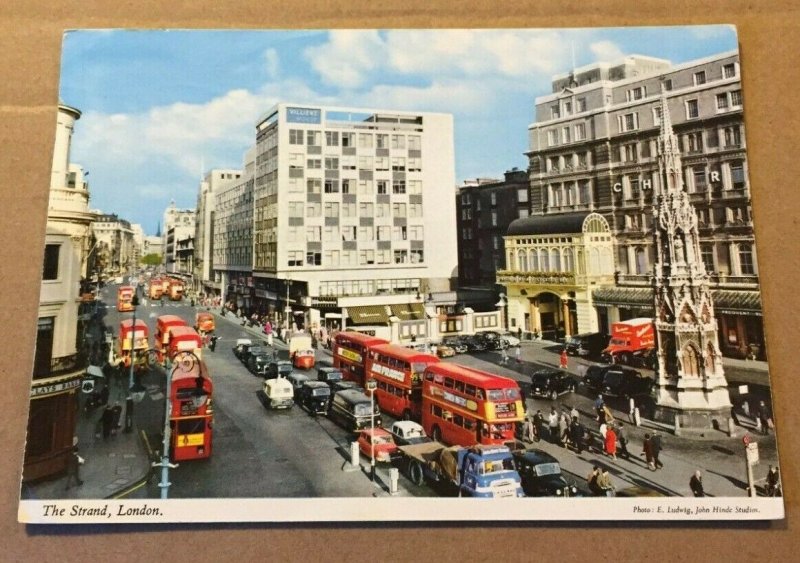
x=726 y=302
x=408 y=311
x=368 y=315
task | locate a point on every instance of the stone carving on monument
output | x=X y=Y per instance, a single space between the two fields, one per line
x=691 y=389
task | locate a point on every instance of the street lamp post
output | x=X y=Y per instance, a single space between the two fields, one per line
x=370 y=385
x=288 y=310
x=429 y=302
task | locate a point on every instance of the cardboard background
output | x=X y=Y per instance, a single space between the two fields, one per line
x=30 y=42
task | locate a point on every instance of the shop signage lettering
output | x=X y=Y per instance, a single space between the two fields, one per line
x=43 y=390
x=388 y=372
x=303 y=115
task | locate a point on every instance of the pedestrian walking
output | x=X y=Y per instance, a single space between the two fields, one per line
x=773 y=482
x=696 y=484
x=563 y=359
x=573 y=413
x=212 y=343
x=538 y=424
x=622 y=442
x=598 y=407
x=107 y=419
x=647 y=452
x=552 y=425
x=116 y=415
x=591 y=481
x=764 y=417
x=563 y=429
x=605 y=484
x=74 y=468
x=657 y=447
x=528 y=432
x=518 y=354
x=503 y=357
x=611 y=443
x=576 y=434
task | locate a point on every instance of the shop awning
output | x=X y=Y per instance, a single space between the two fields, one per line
x=726 y=302
x=408 y=311
x=368 y=315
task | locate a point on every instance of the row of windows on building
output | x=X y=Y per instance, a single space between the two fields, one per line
x=598 y=260
x=353 y=258
x=367 y=287
x=298 y=209
x=299 y=161
x=564 y=107
x=466 y=199
x=313 y=138
x=743 y=263
x=355 y=233
x=353 y=186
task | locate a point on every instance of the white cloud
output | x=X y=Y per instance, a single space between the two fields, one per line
x=606 y=51
x=347 y=57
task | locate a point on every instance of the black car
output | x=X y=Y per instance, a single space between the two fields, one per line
x=588 y=344
x=625 y=382
x=241 y=349
x=541 y=475
x=258 y=362
x=252 y=351
x=593 y=378
x=342 y=385
x=329 y=375
x=494 y=340
x=314 y=397
x=476 y=343
x=551 y=383
x=277 y=368
x=647 y=358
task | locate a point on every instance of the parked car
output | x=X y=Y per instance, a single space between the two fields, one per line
x=241 y=345
x=475 y=343
x=329 y=375
x=407 y=432
x=511 y=339
x=593 y=378
x=494 y=340
x=279 y=393
x=445 y=351
x=379 y=441
x=277 y=368
x=456 y=343
x=626 y=382
x=551 y=383
x=587 y=344
x=314 y=397
x=541 y=475
x=647 y=358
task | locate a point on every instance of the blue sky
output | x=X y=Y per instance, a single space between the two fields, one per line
x=160 y=106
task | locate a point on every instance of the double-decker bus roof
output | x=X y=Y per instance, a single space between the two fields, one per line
x=170 y=319
x=476 y=377
x=127 y=324
x=184 y=330
x=403 y=353
x=199 y=368
x=360 y=338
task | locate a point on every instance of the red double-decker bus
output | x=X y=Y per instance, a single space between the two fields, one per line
x=398 y=373
x=464 y=406
x=350 y=354
x=191 y=411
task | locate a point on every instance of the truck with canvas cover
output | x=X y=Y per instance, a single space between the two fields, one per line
x=478 y=471
x=629 y=338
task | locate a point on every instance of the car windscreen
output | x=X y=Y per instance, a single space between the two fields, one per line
x=321 y=392
x=546 y=469
x=494 y=466
x=574 y=341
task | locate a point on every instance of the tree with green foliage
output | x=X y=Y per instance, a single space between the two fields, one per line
x=151 y=259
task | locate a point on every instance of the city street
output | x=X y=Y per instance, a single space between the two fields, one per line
x=262 y=453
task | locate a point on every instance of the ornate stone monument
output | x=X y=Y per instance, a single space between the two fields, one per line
x=691 y=390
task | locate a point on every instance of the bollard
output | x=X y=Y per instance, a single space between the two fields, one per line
x=394 y=476
x=677 y=426
x=354 y=454
x=637 y=420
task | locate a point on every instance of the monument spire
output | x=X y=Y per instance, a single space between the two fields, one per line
x=691 y=390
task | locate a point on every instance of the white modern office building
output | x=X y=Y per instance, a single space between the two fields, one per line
x=354 y=215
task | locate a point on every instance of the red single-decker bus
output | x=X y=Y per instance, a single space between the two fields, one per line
x=191 y=412
x=350 y=353
x=398 y=373
x=464 y=406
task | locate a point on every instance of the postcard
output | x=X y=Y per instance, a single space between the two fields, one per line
x=400 y=275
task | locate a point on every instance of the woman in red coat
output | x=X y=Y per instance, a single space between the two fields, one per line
x=611 y=442
x=563 y=359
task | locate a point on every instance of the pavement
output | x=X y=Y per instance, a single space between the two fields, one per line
x=120 y=465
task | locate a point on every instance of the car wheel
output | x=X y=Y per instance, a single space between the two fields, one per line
x=415 y=473
x=553 y=395
x=436 y=434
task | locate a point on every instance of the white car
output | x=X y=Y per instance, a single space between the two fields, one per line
x=512 y=340
x=407 y=432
